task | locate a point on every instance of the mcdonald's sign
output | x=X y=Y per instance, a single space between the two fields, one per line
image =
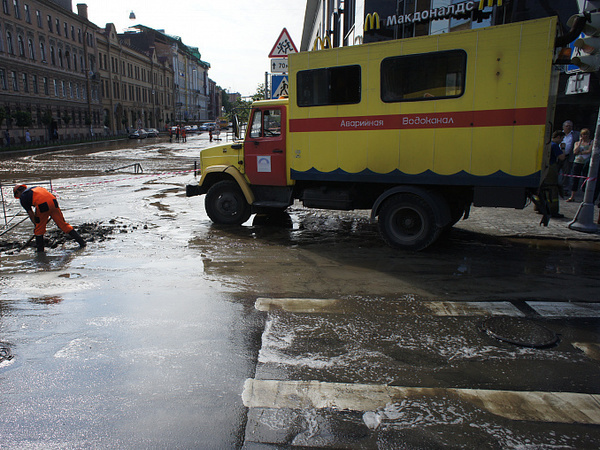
x=482 y=3
x=322 y=43
x=372 y=22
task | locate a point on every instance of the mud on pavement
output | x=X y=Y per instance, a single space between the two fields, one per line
x=15 y=242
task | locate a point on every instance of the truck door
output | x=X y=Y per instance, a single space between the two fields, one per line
x=264 y=147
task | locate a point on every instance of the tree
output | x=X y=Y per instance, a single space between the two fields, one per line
x=3 y=115
x=23 y=119
x=47 y=119
x=66 y=119
x=260 y=93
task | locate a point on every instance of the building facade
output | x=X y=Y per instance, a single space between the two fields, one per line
x=48 y=71
x=136 y=85
x=190 y=73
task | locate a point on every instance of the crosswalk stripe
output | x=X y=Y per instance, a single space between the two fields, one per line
x=564 y=407
x=548 y=310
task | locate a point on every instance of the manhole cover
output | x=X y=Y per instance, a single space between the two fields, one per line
x=519 y=331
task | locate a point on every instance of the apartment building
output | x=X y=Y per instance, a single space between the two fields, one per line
x=136 y=84
x=48 y=69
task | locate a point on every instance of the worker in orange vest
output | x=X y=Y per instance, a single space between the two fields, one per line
x=46 y=208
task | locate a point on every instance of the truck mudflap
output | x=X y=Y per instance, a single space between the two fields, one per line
x=192 y=190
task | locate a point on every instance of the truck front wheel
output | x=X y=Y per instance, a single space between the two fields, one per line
x=226 y=205
x=407 y=221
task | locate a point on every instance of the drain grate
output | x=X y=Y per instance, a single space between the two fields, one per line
x=519 y=331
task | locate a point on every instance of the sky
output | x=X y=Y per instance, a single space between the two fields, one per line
x=233 y=36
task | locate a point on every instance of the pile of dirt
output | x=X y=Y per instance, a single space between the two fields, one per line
x=90 y=232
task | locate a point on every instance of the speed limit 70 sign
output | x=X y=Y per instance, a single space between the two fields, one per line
x=279 y=65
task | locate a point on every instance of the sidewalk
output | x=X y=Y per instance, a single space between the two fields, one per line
x=524 y=223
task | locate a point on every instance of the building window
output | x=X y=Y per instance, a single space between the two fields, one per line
x=79 y=35
x=63 y=87
x=423 y=77
x=68 y=60
x=75 y=63
x=17 y=9
x=31 y=49
x=60 y=58
x=38 y=14
x=55 y=87
x=329 y=86
x=72 y=32
x=25 y=82
x=50 y=23
x=14 y=80
x=9 y=43
x=27 y=13
x=1 y=40
x=58 y=27
x=34 y=81
x=45 y=82
x=3 y=82
x=43 y=52
x=21 y=45
x=5 y=7
x=66 y=30
x=52 y=56
x=70 y=89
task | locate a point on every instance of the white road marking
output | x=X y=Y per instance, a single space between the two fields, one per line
x=566 y=310
x=565 y=407
x=436 y=308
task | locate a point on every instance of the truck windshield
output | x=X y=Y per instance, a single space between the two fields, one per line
x=266 y=123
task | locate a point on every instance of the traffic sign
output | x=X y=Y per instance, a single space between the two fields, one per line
x=279 y=65
x=279 y=86
x=283 y=46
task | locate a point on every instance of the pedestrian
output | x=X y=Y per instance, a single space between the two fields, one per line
x=46 y=208
x=184 y=134
x=582 y=151
x=549 y=190
x=177 y=132
x=170 y=134
x=7 y=137
x=210 y=137
x=566 y=167
x=27 y=136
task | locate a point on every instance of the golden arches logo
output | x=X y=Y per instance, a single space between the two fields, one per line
x=322 y=43
x=490 y=3
x=372 y=21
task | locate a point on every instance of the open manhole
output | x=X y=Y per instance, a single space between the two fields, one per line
x=519 y=331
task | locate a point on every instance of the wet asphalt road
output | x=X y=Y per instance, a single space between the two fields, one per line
x=146 y=340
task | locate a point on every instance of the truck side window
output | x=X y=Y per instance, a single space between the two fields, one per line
x=329 y=86
x=428 y=76
x=256 y=128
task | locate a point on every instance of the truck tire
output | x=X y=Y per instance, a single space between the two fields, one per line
x=407 y=222
x=225 y=204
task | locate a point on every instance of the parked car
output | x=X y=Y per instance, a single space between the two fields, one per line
x=152 y=132
x=208 y=126
x=138 y=134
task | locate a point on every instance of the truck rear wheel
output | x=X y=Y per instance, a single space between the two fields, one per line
x=225 y=204
x=407 y=221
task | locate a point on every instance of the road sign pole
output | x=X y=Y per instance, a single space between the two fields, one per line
x=584 y=219
x=267 y=96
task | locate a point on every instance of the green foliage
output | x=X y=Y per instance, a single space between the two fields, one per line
x=23 y=119
x=47 y=117
x=3 y=115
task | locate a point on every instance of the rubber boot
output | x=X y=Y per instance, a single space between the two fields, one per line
x=39 y=244
x=75 y=235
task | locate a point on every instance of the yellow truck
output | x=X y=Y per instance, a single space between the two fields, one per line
x=415 y=130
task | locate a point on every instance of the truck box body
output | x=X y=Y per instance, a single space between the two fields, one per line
x=486 y=127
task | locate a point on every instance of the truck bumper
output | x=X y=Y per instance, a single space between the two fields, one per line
x=194 y=189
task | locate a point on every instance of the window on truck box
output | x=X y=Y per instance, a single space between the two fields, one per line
x=328 y=86
x=428 y=76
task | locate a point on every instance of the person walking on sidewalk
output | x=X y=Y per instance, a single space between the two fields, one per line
x=581 y=164
x=46 y=208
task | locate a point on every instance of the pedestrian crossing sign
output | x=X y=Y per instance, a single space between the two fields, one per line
x=279 y=86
